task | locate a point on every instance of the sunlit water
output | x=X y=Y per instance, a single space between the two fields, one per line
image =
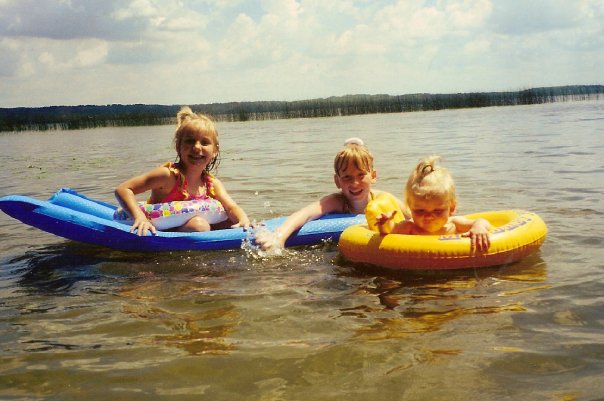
x=79 y=322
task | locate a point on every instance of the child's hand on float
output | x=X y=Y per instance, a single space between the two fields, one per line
x=245 y=223
x=142 y=226
x=268 y=240
x=479 y=236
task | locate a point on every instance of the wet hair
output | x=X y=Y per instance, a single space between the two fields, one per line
x=354 y=151
x=429 y=180
x=187 y=121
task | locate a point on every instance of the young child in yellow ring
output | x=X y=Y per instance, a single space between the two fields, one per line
x=354 y=176
x=430 y=197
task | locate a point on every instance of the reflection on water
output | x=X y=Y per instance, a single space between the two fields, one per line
x=84 y=322
x=424 y=302
x=189 y=327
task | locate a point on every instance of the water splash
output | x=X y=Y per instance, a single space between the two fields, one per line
x=253 y=251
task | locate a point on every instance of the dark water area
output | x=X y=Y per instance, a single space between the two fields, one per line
x=85 y=322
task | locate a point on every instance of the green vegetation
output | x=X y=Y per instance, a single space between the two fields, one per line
x=117 y=115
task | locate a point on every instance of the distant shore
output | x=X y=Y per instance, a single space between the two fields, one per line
x=94 y=116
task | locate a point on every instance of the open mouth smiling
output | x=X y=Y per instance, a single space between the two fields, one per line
x=197 y=158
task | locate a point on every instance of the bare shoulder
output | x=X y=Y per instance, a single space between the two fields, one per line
x=160 y=178
x=332 y=203
x=162 y=171
x=162 y=174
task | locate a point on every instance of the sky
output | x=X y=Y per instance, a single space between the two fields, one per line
x=74 y=52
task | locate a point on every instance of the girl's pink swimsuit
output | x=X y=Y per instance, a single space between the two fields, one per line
x=179 y=191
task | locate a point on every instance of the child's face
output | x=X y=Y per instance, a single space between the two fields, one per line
x=197 y=148
x=430 y=214
x=354 y=183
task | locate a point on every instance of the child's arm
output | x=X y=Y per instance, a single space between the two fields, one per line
x=328 y=204
x=477 y=230
x=386 y=225
x=233 y=210
x=126 y=195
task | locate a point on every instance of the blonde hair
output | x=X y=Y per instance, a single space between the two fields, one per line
x=187 y=121
x=429 y=180
x=353 y=152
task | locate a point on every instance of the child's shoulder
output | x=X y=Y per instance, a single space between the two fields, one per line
x=161 y=172
x=169 y=167
x=166 y=170
x=334 y=202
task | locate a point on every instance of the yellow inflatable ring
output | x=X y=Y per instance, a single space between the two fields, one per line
x=515 y=234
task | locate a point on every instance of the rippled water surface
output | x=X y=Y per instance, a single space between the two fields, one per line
x=83 y=322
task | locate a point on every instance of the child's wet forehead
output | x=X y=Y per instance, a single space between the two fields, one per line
x=427 y=202
x=199 y=134
x=350 y=169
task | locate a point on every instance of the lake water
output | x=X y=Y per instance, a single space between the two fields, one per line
x=79 y=322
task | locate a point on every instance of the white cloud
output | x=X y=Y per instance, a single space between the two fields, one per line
x=478 y=46
x=468 y=15
x=192 y=51
x=91 y=55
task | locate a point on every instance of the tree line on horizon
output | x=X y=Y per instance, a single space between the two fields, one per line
x=117 y=115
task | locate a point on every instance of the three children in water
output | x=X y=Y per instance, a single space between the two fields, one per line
x=429 y=194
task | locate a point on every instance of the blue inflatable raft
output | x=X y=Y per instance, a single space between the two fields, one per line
x=76 y=217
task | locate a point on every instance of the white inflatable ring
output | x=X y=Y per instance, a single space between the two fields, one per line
x=165 y=216
x=515 y=234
